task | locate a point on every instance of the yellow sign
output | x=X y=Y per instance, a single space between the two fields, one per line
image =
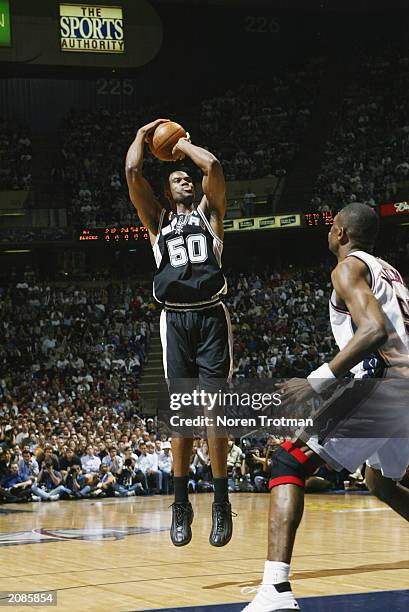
x=262 y=223
x=91 y=29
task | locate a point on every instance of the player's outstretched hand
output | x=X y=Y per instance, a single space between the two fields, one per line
x=295 y=390
x=176 y=152
x=148 y=129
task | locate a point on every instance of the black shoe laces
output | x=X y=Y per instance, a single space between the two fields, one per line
x=181 y=512
x=222 y=511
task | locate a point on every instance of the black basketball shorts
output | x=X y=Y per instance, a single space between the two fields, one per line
x=197 y=344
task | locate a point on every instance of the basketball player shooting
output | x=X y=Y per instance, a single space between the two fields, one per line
x=195 y=325
x=369 y=313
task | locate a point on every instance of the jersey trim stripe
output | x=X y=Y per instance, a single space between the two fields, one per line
x=346 y=312
x=218 y=250
x=209 y=227
x=162 y=329
x=196 y=306
x=155 y=247
x=230 y=340
x=162 y=214
x=154 y=294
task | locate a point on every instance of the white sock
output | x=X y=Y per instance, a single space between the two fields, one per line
x=275 y=572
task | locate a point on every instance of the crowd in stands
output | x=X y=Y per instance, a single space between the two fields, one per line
x=280 y=323
x=367 y=155
x=91 y=166
x=70 y=361
x=71 y=421
x=15 y=156
x=256 y=130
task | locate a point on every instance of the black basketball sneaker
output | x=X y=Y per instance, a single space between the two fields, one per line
x=222 y=524
x=182 y=517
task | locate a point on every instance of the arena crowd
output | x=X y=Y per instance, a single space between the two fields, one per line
x=367 y=155
x=15 y=156
x=71 y=420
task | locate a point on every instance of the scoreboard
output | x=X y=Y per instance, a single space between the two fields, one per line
x=114 y=235
x=319 y=219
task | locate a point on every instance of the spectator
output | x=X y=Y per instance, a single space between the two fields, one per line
x=154 y=476
x=13 y=487
x=106 y=481
x=68 y=459
x=201 y=463
x=72 y=482
x=249 y=202
x=234 y=454
x=113 y=461
x=127 y=482
x=27 y=466
x=49 y=483
x=165 y=465
x=90 y=462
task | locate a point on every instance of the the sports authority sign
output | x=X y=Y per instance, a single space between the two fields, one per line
x=91 y=29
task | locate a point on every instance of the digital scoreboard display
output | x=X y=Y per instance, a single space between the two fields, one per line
x=319 y=219
x=114 y=235
x=91 y=29
x=5 y=29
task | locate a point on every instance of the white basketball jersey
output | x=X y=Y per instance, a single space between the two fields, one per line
x=392 y=294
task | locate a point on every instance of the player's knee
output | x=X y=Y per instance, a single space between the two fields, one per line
x=289 y=465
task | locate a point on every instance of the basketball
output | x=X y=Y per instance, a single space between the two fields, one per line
x=164 y=139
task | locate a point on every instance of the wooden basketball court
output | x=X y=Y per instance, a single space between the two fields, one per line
x=115 y=554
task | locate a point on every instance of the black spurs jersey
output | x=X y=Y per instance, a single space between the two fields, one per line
x=188 y=257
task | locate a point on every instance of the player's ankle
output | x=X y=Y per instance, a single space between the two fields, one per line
x=180 y=484
x=275 y=572
x=221 y=494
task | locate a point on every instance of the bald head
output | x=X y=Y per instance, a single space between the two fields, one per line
x=361 y=224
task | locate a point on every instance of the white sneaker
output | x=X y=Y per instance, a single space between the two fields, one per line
x=269 y=599
x=130 y=493
x=35 y=498
x=54 y=497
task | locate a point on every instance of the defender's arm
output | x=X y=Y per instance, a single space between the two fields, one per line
x=350 y=283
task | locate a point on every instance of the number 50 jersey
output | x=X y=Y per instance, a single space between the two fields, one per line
x=188 y=257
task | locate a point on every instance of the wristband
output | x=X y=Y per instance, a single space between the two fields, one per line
x=321 y=378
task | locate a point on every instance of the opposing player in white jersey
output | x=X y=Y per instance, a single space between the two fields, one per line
x=369 y=312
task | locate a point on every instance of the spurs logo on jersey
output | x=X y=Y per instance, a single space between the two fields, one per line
x=393 y=296
x=188 y=257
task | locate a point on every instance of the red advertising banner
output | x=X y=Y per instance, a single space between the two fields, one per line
x=400 y=208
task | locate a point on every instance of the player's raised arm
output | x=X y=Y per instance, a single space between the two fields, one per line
x=140 y=191
x=351 y=285
x=214 y=185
